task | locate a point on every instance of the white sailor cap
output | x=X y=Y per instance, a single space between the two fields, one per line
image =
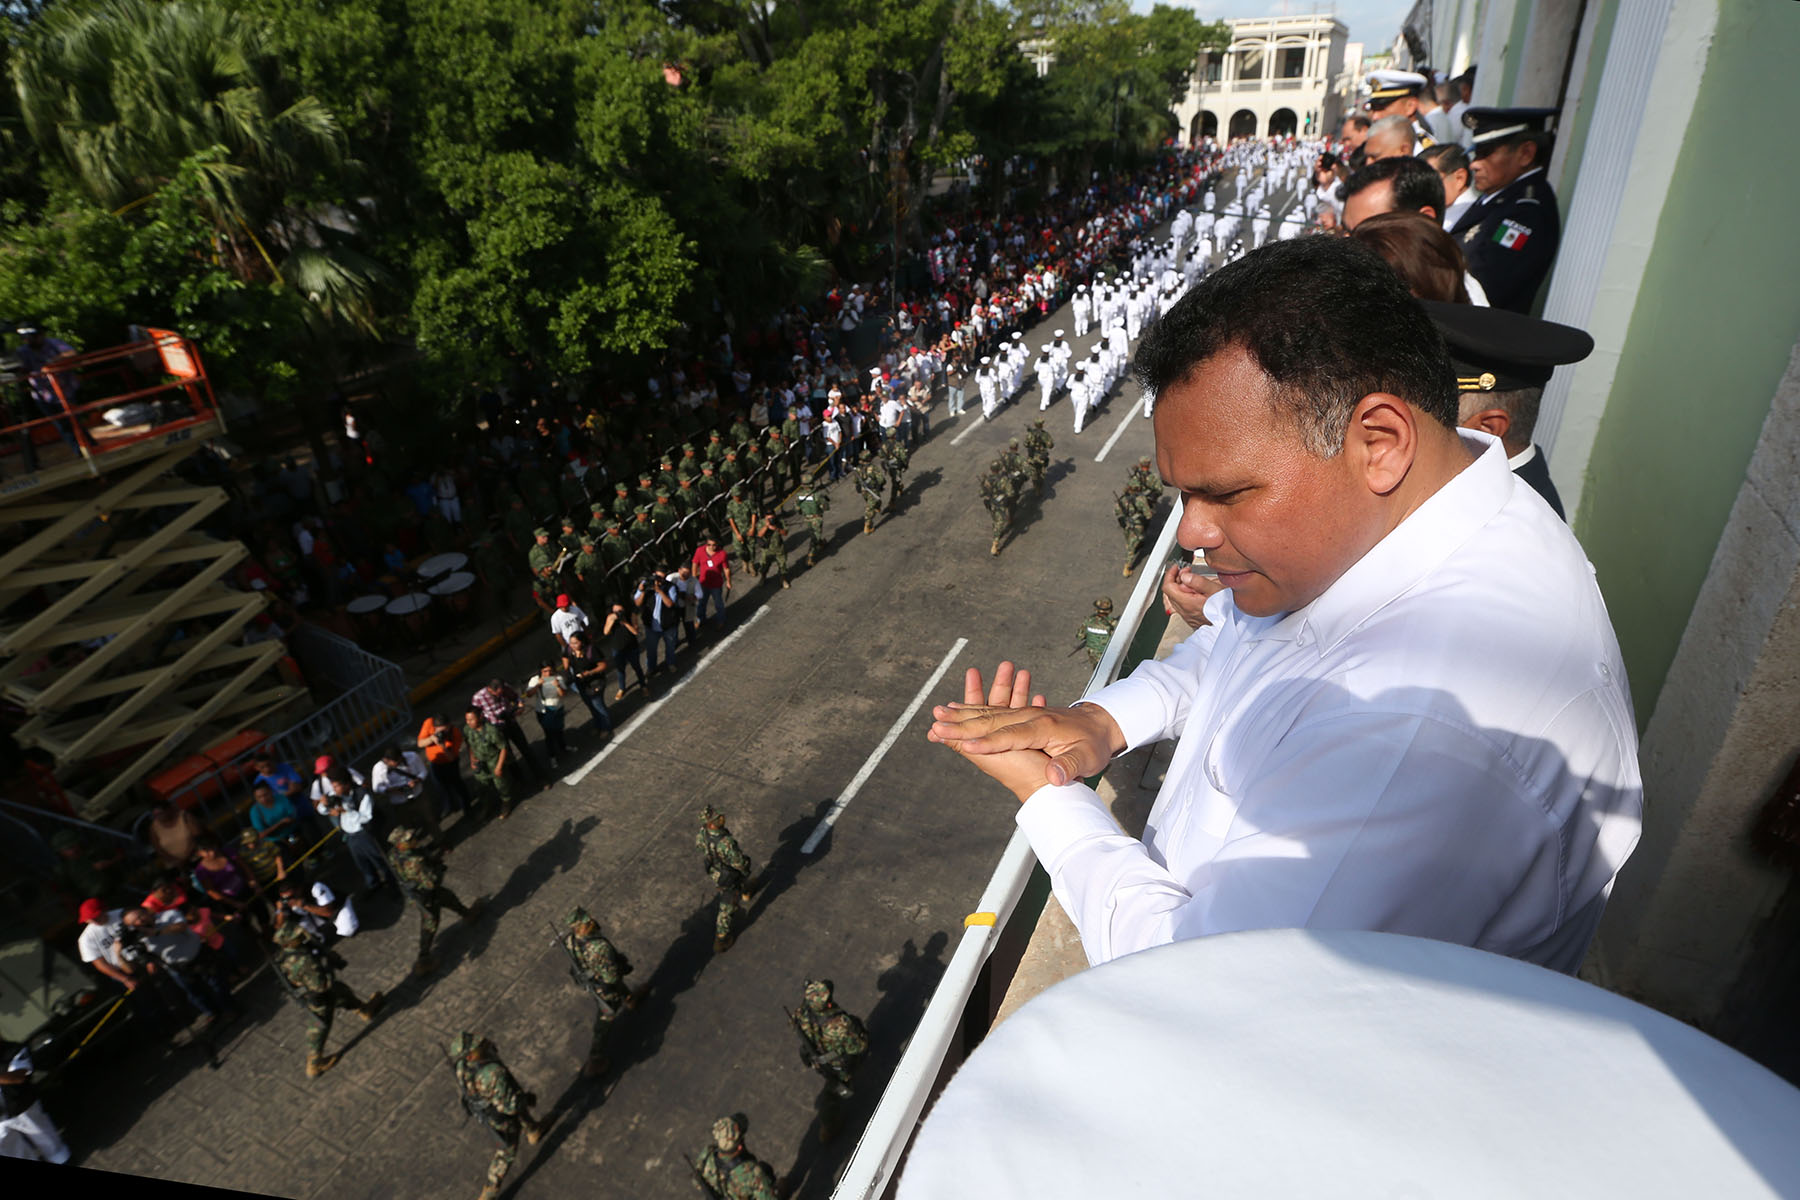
x=1387 y=86
x=1056 y=333
x=985 y=360
x=1017 y=335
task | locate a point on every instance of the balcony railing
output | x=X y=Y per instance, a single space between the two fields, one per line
x=994 y=936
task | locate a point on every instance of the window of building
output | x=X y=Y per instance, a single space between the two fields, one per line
x=1250 y=63
x=1292 y=63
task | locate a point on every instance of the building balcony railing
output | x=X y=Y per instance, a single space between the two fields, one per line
x=994 y=936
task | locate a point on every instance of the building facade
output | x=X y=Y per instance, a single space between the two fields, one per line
x=1280 y=76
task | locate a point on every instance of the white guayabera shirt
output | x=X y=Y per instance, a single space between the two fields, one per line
x=1441 y=744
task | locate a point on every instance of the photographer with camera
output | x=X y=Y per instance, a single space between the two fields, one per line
x=619 y=639
x=98 y=944
x=350 y=807
x=656 y=595
x=183 y=958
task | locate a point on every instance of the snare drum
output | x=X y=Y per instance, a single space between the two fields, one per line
x=457 y=590
x=435 y=568
x=411 y=610
x=365 y=616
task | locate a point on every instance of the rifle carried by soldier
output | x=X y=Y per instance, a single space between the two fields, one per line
x=580 y=976
x=706 y=1189
x=807 y=1055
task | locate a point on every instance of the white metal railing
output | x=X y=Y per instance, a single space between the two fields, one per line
x=916 y=1079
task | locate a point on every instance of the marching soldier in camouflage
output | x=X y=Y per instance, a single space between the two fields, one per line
x=730 y=870
x=1135 y=510
x=568 y=545
x=771 y=547
x=622 y=503
x=1013 y=462
x=490 y=1093
x=1097 y=630
x=870 y=482
x=812 y=505
x=741 y=521
x=895 y=459
x=490 y=763
x=1144 y=477
x=420 y=870
x=1038 y=444
x=307 y=970
x=728 y=1170
x=599 y=966
x=999 y=494
x=833 y=1043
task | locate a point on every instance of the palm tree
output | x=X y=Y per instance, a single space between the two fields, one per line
x=125 y=95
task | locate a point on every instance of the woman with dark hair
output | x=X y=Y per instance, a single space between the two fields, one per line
x=1428 y=260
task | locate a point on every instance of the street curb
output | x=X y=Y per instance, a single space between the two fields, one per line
x=443 y=679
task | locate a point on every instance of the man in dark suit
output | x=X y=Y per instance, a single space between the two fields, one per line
x=1503 y=360
x=1510 y=235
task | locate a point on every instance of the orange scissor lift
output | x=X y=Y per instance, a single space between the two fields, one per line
x=120 y=636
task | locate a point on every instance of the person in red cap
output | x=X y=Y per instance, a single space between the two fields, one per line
x=99 y=942
x=321 y=791
x=567 y=619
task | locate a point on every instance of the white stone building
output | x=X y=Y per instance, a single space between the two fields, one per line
x=1280 y=75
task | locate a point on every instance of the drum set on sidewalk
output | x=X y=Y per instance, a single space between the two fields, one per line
x=436 y=597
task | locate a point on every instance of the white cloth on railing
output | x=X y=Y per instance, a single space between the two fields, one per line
x=1441 y=744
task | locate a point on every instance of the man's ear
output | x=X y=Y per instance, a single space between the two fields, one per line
x=1496 y=421
x=1382 y=440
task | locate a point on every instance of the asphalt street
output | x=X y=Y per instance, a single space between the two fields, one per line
x=773 y=724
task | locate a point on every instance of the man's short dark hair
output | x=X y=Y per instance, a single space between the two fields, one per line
x=1416 y=183
x=1327 y=322
x=1360 y=120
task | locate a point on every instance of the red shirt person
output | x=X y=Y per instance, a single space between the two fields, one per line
x=712 y=570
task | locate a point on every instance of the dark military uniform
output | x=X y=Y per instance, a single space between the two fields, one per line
x=869 y=481
x=542 y=554
x=1097 y=630
x=895 y=459
x=999 y=495
x=1135 y=511
x=490 y=1092
x=309 y=974
x=420 y=871
x=738 y=517
x=771 y=547
x=1510 y=240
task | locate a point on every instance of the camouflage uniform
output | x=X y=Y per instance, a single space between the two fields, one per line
x=738 y=517
x=1000 y=497
x=308 y=972
x=486 y=744
x=771 y=547
x=869 y=482
x=1135 y=512
x=421 y=875
x=601 y=968
x=730 y=1170
x=834 y=1045
x=1038 y=444
x=1144 y=478
x=490 y=1092
x=1097 y=630
x=542 y=555
x=895 y=458
x=812 y=505
x=729 y=868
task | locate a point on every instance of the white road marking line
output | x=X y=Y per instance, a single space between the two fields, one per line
x=1132 y=411
x=974 y=424
x=578 y=774
x=868 y=768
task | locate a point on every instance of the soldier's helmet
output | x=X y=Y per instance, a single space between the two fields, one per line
x=578 y=916
x=1103 y=604
x=1012 y=443
x=817 y=993
x=289 y=934
x=404 y=835
x=727 y=1133
x=463 y=1044
x=1038 y=421
x=711 y=816
x=1144 y=459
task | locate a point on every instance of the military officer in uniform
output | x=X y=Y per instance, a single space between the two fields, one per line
x=1396 y=94
x=1097 y=630
x=728 y=1170
x=1503 y=360
x=542 y=555
x=834 y=1043
x=730 y=870
x=420 y=870
x=1510 y=235
x=312 y=979
x=813 y=504
x=1038 y=444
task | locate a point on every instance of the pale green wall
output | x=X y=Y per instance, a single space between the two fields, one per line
x=1515 y=47
x=1574 y=133
x=1712 y=331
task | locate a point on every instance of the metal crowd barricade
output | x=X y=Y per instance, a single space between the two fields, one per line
x=994 y=936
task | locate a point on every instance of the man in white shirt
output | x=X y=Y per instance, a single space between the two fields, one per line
x=399 y=778
x=351 y=807
x=98 y=943
x=568 y=618
x=1407 y=711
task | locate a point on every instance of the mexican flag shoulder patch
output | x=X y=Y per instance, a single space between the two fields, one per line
x=1511 y=234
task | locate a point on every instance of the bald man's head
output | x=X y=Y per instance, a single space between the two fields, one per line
x=1390 y=137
